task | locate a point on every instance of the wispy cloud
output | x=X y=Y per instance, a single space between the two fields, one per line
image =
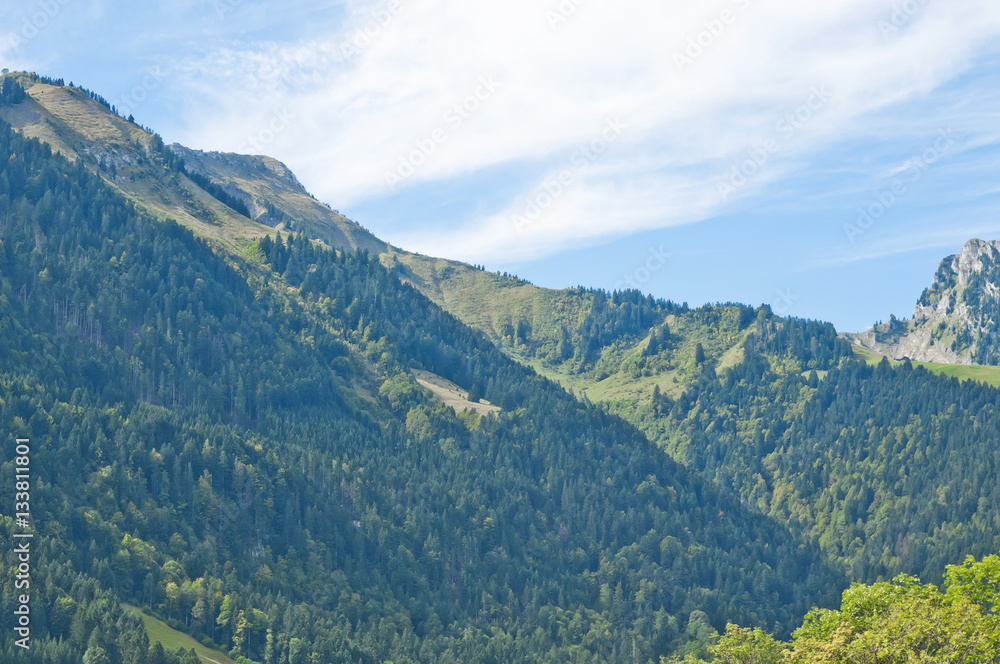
x=949 y=237
x=693 y=113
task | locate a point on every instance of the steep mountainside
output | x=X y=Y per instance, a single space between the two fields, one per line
x=239 y=444
x=576 y=336
x=224 y=197
x=956 y=320
x=231 y=429
x=273 y=196
x=134 y=160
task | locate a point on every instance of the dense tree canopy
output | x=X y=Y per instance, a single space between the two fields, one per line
x=241 y=448
x=238 y=445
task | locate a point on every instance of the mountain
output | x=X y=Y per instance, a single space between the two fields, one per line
x=247 y=418
x=231 y=436
x=227 y=198
x=271 y=195
x=594 y=344
x=957 y=317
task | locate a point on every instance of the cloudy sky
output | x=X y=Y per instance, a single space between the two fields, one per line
x=818 y=157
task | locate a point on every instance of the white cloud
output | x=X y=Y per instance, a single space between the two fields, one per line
x=948 y=236
x=363 y=103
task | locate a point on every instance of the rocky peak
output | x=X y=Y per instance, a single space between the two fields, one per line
x=974 y=256
x=956 y=319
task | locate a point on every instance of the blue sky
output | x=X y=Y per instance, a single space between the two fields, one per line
x=819 y=157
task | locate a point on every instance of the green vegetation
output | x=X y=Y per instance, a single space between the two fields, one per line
x=243 y=448
x=264 y=440
x=172 y=640
x=888 y=622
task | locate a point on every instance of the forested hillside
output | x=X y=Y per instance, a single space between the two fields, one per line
x=889 y=468
x=227 y=431
x=238 y=445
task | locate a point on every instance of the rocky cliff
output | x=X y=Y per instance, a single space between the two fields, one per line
x=955 y=320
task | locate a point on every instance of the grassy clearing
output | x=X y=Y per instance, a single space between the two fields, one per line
x=977 y=372
x=452 y=394
x=172 y=639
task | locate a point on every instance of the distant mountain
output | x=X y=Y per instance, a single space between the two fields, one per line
x=957 y=319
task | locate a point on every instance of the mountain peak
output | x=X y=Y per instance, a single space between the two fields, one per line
x=974 y=256
x=955 y=320
x=234 y=162
x=219 y=195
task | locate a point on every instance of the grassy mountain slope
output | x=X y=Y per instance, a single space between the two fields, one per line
x=240 y=445
x=564 y=336
x=134 y=160
x=274 y=197
x=127 y=156
x=529 y=322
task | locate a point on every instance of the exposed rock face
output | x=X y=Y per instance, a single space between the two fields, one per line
x=955 y=321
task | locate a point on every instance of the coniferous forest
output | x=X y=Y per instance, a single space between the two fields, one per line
x=258 y=464
x=237 y=445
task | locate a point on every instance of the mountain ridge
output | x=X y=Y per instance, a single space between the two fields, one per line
x=527 y=321
x=236 y=427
